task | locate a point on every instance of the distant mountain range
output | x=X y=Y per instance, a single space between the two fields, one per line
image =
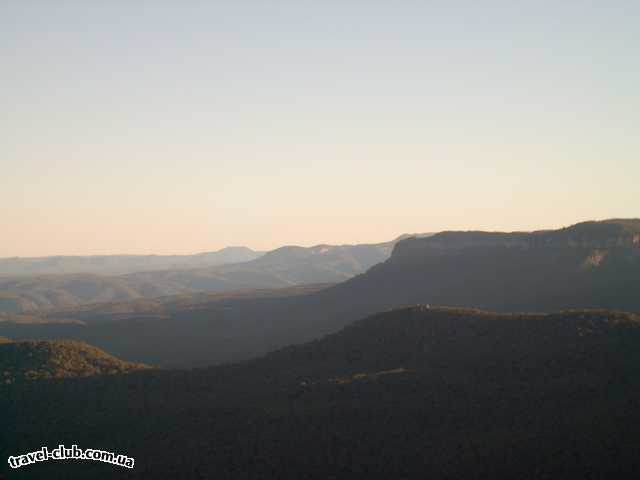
x=37 y=360
x=283 y=267
x=121 y=264
x=417 y=392
x=589 y=265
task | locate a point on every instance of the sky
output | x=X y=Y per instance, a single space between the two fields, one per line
x=186 y=126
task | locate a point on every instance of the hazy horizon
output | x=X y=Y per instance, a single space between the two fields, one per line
x=311 y=244
x=178 y=128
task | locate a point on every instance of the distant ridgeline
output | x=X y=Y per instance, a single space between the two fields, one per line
x=284 y=267
x=605 y=234
x=592 y=265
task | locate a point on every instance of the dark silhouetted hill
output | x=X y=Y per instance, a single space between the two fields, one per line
x=411 y=393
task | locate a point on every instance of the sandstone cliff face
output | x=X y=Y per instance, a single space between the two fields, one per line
x=588 y=235
x=588 y=265
x=595 y=259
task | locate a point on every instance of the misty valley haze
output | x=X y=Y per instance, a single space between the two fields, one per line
x=588 y=265
x=230 y=269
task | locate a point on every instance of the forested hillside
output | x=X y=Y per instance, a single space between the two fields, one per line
x=418 y=392
x=22 y=361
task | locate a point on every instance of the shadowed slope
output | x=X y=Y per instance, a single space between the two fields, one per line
x=412 y=393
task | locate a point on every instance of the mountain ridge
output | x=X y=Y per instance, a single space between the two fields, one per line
x=592 y=234
x=503 y=278
x=120 y=264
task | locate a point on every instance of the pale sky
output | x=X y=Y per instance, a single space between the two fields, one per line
x=184 y=126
